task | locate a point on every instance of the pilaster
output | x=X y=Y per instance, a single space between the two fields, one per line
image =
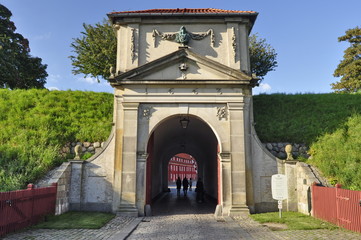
x=118 y=158
x=238 y=162
x=127 y=204
x=226 y=195
x=244 y=48
x=141 y=182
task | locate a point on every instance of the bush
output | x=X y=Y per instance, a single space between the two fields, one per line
x=338 y=154
x=86 y=155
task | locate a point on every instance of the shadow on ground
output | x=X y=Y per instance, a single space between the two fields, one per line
x=171 y=204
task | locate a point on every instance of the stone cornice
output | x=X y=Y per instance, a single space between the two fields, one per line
x=137 y=75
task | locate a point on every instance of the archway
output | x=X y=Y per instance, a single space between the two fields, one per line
x=170 y=138
x=182 y=165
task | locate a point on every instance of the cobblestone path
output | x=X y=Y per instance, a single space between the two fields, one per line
x=183 y=218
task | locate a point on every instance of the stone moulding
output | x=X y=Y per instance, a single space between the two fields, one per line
x=225 y=156
x=139 y=75
x=183 y=36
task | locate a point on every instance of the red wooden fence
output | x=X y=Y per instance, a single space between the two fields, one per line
x=338 y=206
x=22 y=208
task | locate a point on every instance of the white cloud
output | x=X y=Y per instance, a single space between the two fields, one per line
x=54 y=78
x=53 y=88
x=263 y=88
x=88 y=80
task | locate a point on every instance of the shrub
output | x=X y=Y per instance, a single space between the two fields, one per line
x=338 y=154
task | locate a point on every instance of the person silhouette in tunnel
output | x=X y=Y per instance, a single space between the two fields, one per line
x=199 y=190
x=190 y=184
x=185 y=186
x=179 y=185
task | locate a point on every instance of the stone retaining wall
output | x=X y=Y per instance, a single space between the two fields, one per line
x=278 y=149
x=89 y=147
x=62 y=177
x=300 y=178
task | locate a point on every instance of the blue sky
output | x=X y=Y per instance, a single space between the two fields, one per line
x=303 y=33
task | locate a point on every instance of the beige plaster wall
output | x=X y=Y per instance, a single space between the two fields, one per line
x=264 y=166
x=92 y=182
x=137 y=45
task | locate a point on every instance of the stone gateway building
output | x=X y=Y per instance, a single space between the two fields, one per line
x=182 y=84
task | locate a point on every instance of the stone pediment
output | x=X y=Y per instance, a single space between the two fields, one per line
x=183 y=67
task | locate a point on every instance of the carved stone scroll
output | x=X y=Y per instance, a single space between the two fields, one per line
x=147 y=112
x=221 y=112
x=234 y=44
x=132 y=44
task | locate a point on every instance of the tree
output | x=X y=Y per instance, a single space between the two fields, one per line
x=349 y=68
x=262 y=56
x=95 y=51
x=18 y=69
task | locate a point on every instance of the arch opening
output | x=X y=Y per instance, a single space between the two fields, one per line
x=182 y=165
x=169 y=139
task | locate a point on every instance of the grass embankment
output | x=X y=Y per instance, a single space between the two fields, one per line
x=76 y=220
x=302 y=118
x=329 y=123
x=291 y=221
x=34 y=124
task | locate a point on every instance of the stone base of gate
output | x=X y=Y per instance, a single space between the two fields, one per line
x=128 y=210
x=218 y=212
x=239 y=210
x=148 y=210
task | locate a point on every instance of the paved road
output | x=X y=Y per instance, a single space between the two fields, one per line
x=182 y=218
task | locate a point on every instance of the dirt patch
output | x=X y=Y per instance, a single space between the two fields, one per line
x=275 y=226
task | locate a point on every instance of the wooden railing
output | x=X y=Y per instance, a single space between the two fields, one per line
x=22 y=208
x=338 y=206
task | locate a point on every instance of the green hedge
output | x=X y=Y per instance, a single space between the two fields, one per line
x=329 y=123
x=34 y=124
x=302 y=118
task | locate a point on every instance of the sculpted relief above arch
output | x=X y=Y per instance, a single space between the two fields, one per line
x=183 y=36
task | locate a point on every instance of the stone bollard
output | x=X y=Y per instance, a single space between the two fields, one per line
x=288 y=150
x=78 y=150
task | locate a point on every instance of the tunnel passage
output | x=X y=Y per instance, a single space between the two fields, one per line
x=170 y=138
x=182 y=165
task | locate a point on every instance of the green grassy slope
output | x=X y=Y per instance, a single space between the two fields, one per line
x=302 y=118
x=329 y=123
x=34 y=124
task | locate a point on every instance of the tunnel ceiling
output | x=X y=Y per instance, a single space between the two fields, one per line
x=198 y=137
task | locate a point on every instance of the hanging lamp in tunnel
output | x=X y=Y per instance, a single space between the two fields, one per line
x=184 y=122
